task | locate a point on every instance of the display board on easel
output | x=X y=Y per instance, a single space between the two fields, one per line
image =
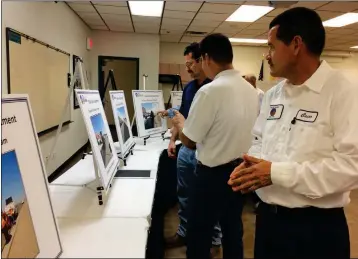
x=176 y=97
x=28 y=222
x=100 y=137
x=147 y=104
x=122 y=122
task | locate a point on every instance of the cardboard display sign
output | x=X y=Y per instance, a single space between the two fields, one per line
x=122 y=121
x=28 y=223
x=147 y=103
x=176 y=97
x=98 y=134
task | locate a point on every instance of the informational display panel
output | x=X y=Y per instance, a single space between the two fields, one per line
x=122 y=121
x=28 y=223
x=176 y=97
x=98 y=134
x=147 y=103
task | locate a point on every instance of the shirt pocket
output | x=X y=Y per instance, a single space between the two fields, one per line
x=303 y=138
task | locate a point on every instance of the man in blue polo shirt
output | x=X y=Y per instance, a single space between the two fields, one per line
x=186 y=161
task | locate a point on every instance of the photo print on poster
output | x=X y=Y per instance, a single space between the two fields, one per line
x=150 y=117
x=18 y=237
x=102 y=138
x=123 y=123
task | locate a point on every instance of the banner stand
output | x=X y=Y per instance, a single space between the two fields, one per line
x=78 y=75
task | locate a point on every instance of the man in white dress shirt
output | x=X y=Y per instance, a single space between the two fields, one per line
x=219 y=126
x=304 y=159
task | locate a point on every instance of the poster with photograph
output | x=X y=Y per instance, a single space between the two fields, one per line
x=176 y=98
x=122 y=121
x=147 y=103
x=28 y=224
x=98 y=134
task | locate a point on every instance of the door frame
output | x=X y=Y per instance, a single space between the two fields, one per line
x=101 y=60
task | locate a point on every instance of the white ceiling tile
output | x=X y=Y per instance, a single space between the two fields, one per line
x=88 y=15
x=183 y=6
x=146 y=26
x=84 y=7
x=179 y=14
x=197 y=22
x=94 y=21
x=172 y=32
x=190 y=39
x=326 y=15
x=343 y=31
x=353 y=26
x=111 y=3
x=169 y=21
x=212 y=17
x=276 y=12
x=227 y=34
x=331 y=36
x=116 y=17
x=225 y=2
x=170 y=38
x=121 y=29
x=258 y=26
x=147 y=30
x=219 y=8
x=99 y=27
x=106 y=9
x=265 y=19
x=340 y=6
x=201 y=29
x=119 y=24
x=146 y=19
x=174 y=27
x=252 y=32
x=311 y=5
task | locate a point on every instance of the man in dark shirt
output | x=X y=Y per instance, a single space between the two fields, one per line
x=186 y=161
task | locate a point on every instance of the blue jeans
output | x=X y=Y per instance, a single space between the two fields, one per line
x=186 y=164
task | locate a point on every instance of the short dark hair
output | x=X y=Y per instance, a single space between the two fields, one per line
x=303 y=22
x=218 y=47
x=194 y=49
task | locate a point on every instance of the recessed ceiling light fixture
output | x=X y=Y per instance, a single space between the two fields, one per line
x=249 y=13
x=241 y=40
x=354 y=47
x=146 y=8
x=342 y=20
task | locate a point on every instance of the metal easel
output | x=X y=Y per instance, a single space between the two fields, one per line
x=78 y=75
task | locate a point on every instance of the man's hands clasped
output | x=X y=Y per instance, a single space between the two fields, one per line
x=250 y=175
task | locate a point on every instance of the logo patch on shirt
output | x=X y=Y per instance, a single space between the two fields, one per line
x=306 y=116
x=275 y=112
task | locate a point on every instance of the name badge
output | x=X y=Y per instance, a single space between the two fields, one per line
x=275 y=112
x=306 y=116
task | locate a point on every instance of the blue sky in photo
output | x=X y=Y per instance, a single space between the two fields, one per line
x=11 y=184
x=97 y=123
x=122 y=113
x=147 y=106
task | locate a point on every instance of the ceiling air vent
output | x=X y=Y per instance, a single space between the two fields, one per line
x=281 y=4
x=196 y=33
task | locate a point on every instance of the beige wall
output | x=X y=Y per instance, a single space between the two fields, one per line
x=125 y=75
x=55 y=24
x=142 y=46
x=248 y=59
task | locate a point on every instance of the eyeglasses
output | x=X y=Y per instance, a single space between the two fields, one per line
x=190 y=64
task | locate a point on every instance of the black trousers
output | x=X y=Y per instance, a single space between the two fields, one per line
x=302 y=233
x=212 y=200
x=165 y=197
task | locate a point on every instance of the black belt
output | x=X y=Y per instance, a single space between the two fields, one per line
x=233 y=163
x=280 y=210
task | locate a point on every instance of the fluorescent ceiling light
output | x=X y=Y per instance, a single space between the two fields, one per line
x=249 y=13
x=342 y=20
x=354 y=47
x=240 y=40
x=146 y=8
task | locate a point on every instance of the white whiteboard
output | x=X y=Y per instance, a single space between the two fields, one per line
x=41 y=72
